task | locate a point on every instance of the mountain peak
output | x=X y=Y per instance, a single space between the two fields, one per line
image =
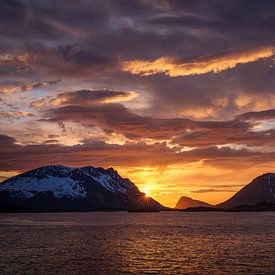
x=60 y=187
x=187 y=202
x=268 y=174
x=260 y=189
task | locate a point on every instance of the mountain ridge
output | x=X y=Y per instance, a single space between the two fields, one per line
x=186 y=202
x=260 y=189
x=58 y=187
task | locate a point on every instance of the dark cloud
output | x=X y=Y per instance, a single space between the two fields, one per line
x=184 y=132
x=6 y=140
x=91 y=153
x=128 y=155
x=218 y=15
x=89 y=41
x=221 y=136
x=91 y=97
x=263 y=115
x=116 y=118
x=212 y=96
x=85 y=45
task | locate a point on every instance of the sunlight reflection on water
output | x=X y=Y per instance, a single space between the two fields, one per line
x=121 y=242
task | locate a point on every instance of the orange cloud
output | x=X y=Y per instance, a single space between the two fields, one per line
x=215 y=64
x=254 y=102
x=90 y=97
x=22 y=58
x=9 y=90
x=15 y=114
x=25 y=87
x=40 y=102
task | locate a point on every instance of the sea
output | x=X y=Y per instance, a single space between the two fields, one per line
x=138 y=243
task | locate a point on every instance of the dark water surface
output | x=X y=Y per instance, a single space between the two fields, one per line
x=152 y=243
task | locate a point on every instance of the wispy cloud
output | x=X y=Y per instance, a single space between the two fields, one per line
x=211 y=190
x=88 y=97
x=215 y=64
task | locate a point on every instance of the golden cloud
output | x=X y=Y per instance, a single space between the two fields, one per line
x=216 y=64
x=9 y=90
x=254 y=102
x=90 y=97
x=24 y=88
x=40 y=102
x=15 y=114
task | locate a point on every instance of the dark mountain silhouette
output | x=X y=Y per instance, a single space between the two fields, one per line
x=186 y=202
x=60 y=188
x=261 y=189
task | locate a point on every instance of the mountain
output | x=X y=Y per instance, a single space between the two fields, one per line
x=186 y=202
x=61 y=188
x=261 y=189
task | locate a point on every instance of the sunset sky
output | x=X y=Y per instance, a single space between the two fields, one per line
x=178 y=96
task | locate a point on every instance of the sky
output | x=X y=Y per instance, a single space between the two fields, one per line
x=178 y=96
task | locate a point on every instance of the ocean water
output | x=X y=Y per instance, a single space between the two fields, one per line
x=137 y=243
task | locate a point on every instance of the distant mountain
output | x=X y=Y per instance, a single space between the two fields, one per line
x=261 y=189
x=186 y=202
x=60 y=188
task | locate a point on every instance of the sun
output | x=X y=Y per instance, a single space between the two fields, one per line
x=146 y=192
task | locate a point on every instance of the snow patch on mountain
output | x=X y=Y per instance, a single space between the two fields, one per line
x=65 y=181
x=27 y=187
x=107 y=182
x=108 y=178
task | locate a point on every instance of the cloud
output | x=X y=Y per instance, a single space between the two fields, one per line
x=116 y=118
x=263 y=115
x=214 y=64
x=219 y=136
x=72 y=61
x=98 y=153
x=16 y=115
x=13 y=156
x=188 y=31
x=15 y=59
x=6 y=140
x=91 y=97
x=40 y=102
x=210 y=190
x=26 y=87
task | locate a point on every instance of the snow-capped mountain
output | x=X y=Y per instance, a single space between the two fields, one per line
x=59 y=187
x=261 y=189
